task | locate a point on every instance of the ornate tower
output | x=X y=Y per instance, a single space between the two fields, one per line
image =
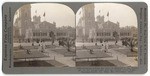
x=88 y=18
x=25 y=18
x=36 y=21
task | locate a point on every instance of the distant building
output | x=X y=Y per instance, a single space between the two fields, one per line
x=125 y=32
x=65 y=32
x=36 y=21
x=106 y=29
x=42 y=32
x=89 y=29
x=100 y=21
x=25 y=30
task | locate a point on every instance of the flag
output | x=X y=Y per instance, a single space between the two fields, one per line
x=44 y=14
x=108 y=14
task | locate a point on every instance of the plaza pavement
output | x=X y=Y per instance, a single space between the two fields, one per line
x=57 y=53
x=118 y=54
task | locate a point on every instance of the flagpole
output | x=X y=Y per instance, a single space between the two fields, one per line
x=108 y=17
x=44 y=16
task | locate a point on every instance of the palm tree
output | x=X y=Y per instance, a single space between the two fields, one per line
x=69 y=43
x=116 y=35
x=132 y=43
x=52 y=35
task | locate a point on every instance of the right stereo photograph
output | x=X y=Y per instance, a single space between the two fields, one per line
x=106 y=35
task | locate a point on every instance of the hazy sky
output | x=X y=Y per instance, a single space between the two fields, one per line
x=64 y=16
x=61 y=14
x=117 y=12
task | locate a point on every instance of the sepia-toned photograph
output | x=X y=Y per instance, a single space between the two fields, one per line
x=106 y=35
x=44 y=36
x=74 y=37
x=51 y=35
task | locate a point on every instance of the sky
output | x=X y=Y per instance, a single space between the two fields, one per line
x=64 y=16
x=61 y=14
x=124 y=14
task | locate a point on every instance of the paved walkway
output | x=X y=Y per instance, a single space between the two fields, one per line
x=68 y=61
x=116 y=55
x=130 y=61
x=53 y=55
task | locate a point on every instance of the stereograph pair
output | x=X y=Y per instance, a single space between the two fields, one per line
x=74 y=37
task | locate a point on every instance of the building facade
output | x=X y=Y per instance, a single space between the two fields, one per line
x=89 y=29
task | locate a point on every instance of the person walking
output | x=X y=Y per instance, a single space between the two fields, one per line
x=43 y=47
x=105 y=46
